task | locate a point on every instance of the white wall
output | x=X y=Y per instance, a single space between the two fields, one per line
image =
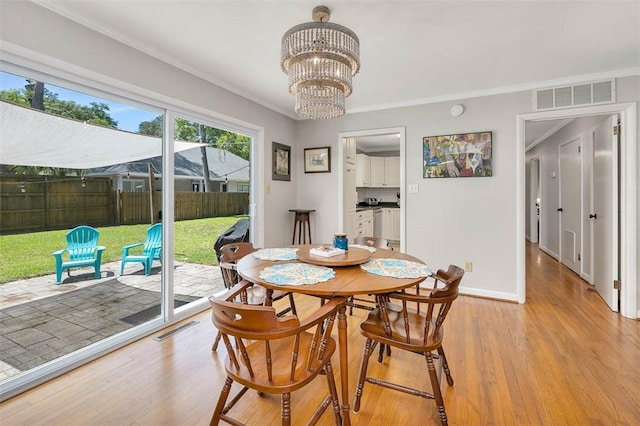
x=450 y=220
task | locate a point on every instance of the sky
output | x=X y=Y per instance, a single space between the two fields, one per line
x=128 y=117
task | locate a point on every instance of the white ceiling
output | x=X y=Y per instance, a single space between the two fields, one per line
x=390 y=142
x=412 y=51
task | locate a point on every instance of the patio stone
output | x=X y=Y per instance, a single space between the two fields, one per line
x=28 y=336
x=17 y=324
x=41 y=321
x=60 y=328
x=97 y=324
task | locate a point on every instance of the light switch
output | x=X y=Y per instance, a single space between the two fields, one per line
x=413 y=188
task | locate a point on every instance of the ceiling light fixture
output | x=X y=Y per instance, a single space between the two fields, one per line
x=320 y=59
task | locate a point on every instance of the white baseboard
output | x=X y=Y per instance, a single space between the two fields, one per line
x=499 y=295
x=553 y=254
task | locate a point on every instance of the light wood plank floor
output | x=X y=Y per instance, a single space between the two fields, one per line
x=563 y=358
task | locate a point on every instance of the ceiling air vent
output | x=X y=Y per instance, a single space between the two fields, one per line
x=599 y=92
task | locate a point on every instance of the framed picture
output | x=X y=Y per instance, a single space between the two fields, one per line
x=317 y=160
x=459 y=155
x=281 y=157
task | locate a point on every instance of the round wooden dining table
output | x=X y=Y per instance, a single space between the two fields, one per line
x=350 y=280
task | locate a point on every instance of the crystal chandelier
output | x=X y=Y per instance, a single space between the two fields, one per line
x=320 y=59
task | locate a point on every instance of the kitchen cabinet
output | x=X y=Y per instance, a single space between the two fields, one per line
x=350 y=198
x=395 y=224
x=377 y=172
x=350 y=224
x=367 y=224
x=376 y=167
x=349 y=190
x=390 y=227
x=392 y=171
x=350 y=150
x=363 y=173
x=363 y=224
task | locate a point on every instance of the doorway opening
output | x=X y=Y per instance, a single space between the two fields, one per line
x=627 y=191
x=347 y=169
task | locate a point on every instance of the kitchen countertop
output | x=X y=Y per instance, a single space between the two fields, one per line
x=362 y=206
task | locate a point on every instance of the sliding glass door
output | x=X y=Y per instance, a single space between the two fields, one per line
x=158 y=187
x=74 y=158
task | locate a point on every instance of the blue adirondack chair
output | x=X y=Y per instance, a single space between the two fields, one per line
x=83 y=250
x=151 y=250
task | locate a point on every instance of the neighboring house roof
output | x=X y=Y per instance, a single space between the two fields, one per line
x=186 y=164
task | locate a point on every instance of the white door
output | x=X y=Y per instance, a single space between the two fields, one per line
x=604 y=215
x=570 y=201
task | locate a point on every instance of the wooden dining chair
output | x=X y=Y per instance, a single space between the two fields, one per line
x=376 y=242
x=254 y=294
x=275 y=355
x=434 y=281
x=401 y=326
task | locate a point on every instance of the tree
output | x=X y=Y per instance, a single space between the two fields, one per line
x=151 y=128
x=190 y=132
x=36 y=91
x=95 y=112
x=194 y=132
x=205 y=161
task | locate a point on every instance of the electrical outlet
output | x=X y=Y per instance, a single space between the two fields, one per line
x=413 y=188
x=468 y=266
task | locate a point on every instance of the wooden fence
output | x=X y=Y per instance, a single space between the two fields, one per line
x=135 y=207
x=46 y=203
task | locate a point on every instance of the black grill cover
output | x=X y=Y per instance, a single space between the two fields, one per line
x=237 y=233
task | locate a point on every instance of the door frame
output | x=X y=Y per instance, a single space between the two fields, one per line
x=373 y=132
x=628 y=196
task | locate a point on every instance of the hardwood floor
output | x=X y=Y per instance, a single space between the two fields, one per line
x=563 y=358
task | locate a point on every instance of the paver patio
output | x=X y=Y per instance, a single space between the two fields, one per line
x=41 y=320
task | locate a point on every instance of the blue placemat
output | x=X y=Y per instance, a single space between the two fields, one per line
x=396 y=268
x=296 y=274
x=276 y=254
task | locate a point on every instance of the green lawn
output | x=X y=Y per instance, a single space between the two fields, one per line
x=29 y=255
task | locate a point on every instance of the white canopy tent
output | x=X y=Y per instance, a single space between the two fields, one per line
x=33 y=138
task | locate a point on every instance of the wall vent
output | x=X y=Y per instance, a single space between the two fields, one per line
x=594 y=93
